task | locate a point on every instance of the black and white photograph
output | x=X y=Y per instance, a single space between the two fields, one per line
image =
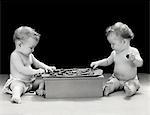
x=74 y=58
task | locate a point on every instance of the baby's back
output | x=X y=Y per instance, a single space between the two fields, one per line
x=17 y=71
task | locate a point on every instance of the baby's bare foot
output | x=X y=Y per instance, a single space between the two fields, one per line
x=40 y=92
x=106 y=91
x=16 y=100
x=128 y=91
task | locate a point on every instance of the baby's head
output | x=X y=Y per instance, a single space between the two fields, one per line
x=121 y=30
x=24 y=32
x=119 y=35
x=26 y=39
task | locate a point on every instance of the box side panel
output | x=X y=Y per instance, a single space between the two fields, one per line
x=56 y=88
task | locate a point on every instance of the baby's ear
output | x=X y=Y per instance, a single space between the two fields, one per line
x=124 y=41
x=19 y=43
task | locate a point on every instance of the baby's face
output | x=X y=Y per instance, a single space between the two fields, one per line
x=115 y=42
x=27 y=47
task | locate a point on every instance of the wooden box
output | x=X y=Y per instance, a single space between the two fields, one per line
x=78 y=87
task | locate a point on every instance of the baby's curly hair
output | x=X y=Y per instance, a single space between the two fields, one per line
x=120 y=29
x=24 y=32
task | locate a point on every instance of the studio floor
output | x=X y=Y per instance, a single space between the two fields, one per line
x=115 y=104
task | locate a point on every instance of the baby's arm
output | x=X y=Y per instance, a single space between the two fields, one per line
x=107 y=61
x=104 y=62
x=39 y=64
x=16 y=61
x=136 y=58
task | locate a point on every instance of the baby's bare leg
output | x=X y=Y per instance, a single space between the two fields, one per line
x=39 y=85
x=17 y=88
x=111 y=85
x=131 y=87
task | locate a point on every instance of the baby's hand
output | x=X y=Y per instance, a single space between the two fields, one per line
x=130 y=57
x=94 y=64
x=40 y=71
x=50 y=68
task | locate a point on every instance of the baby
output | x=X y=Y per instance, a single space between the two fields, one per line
x=126 y=59
x=22 y=75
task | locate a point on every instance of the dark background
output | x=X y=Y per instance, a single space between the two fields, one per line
x=73 y=34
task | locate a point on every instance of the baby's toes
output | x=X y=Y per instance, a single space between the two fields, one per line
x=40 y=92
x=106 y=91
x=16 y=100
x=128 y=92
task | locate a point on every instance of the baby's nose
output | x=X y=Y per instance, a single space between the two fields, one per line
x=112 y=47
x=32 y=50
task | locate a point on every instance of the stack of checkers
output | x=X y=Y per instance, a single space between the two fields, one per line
x=74 y=72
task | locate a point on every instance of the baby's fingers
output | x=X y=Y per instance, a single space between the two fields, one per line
x=92 y=64
x=53 y=68
x=132 y=57
x=46 y=70
x=95 y=66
